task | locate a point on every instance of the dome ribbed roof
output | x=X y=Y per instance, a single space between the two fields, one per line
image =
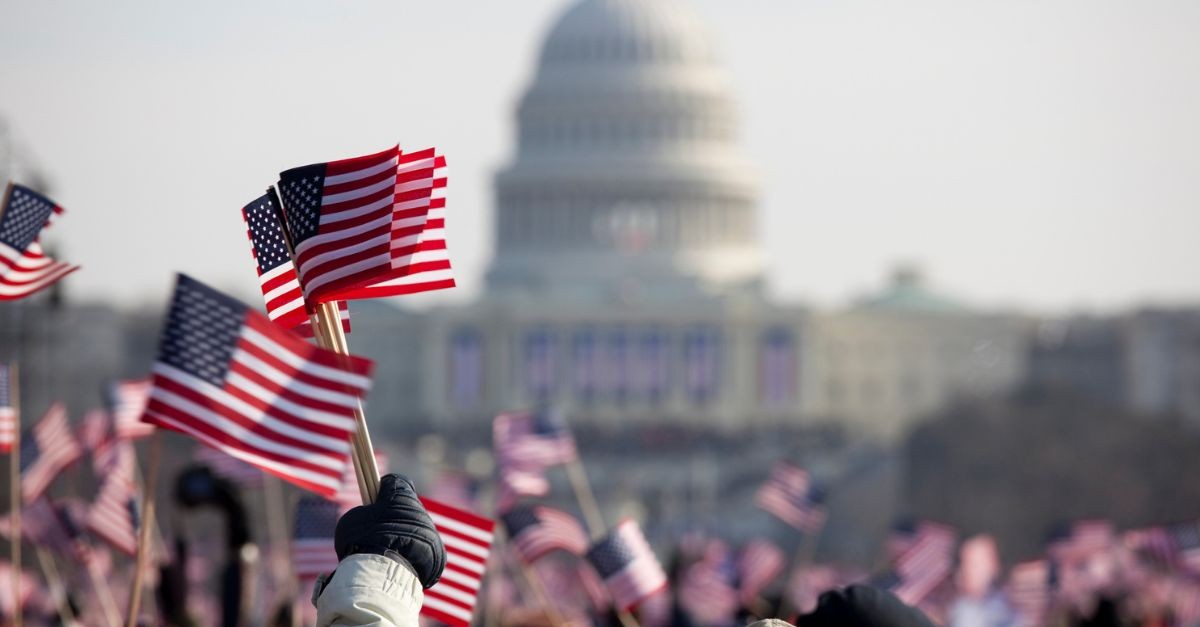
x=619 y=32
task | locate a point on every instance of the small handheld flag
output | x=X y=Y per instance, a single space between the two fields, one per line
x=24 y=268
x=626 y=563
x=51 y=449
x=468 y=540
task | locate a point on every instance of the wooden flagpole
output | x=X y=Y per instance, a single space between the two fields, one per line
x=14 y=485
x=327 y=329
x=595 y=519
x=103 y=592
x=143 y=547
x=57 y=590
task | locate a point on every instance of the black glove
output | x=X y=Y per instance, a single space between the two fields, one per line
x=395 y=522
x=862 y=606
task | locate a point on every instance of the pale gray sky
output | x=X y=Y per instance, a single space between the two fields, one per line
x=1031 y=153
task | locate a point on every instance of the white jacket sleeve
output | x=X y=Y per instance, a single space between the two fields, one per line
x=370 y=591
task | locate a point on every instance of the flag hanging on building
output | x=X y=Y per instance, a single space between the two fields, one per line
x=51 y=448
x=8 y=414
x=468 y=540
x=276 y=272
x=790 y=495
x=533 y=439
x=369 y=226
x=758 y=564
x=127 y=402
x=626 y=563
x=535 y=530
x=312 y=541
x=24 y=267
x=232 y=469
x=234 y=380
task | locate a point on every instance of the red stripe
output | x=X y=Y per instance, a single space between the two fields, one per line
x=396 y=290
x=306 y=351
x=454 y=513
x=353 y=164
x=221 y=436
x=330 y=208
x=294 y=374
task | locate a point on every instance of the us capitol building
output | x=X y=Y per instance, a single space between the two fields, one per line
x=628 y=281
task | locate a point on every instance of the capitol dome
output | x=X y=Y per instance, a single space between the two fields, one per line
x=627 y=175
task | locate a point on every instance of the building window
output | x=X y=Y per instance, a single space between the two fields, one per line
x=652 y=366
x=777 y=368
x=586 y=368
x=701 y=364
x=466 y=369
x=540 y=364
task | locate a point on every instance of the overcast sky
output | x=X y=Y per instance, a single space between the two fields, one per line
x=1040 y=154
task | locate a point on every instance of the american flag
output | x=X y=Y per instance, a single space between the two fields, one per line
x=93 y=429
x=1186 y=539
x=41 y=525
x=230 y=468
x=1151 y=542
x=234 y=380
x=758 y=564
x=536 y=439
x=925 y=564
x=312 y=541
x=369 y=226
x=468 y=540
x=24 y=268
x=8 y=414
x=276 y=272
x=127 y=400
x=535 y=530
x=43 y=456
x=1028 y=589
x=516 y=483
x=707 y=590
x=791 y=497
x=453 y=488
x=625 y=562
x=115 y=515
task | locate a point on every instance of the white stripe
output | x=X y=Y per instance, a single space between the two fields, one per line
x=24 y=259
x=358 y=192
x=464 y=546
x=338 y=179
x=451 y=593
x=446 y=608
x=272 y=374
x=340 y=234
x=443 y=522
x=280 y=469
x=292 y=285
x=282 y=353
x=463 y=580
x=282 y=268
x=61 y=270
x=281 y=311
x=409 y=166
x=409 y=186
x=339 y=216
x=461 y=563
x=380 y=260
x=297 y=432
x=335 y=446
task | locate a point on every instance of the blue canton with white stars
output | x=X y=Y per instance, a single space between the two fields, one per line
x=520 y=519
x=5 y=400
x=315 y=518
x=610 y=555
x=24 y=216
x=301 y=189
x=30 y=451
x=270 y=248
x=202 y=331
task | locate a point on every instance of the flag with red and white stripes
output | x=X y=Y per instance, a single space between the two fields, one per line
x=369 y=226
x=758 y=564
x=790 y=495
x=24 y=267
x=468 y=540
x=8 y=414
x=276 y=272
x=925 y=564
x=1028 y=589
x=234 y=380
x=312 y=538
x=115 y=515
x=627 y=564
x=51 y=448
x=127 y=402
x=535 y=530
x=706 y=590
